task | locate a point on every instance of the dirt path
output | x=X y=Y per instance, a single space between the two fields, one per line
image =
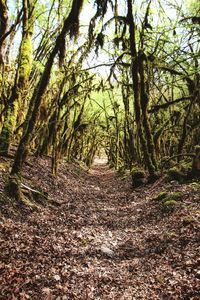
x=105 y=241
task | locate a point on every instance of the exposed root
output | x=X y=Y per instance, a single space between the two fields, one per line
x=14 y=190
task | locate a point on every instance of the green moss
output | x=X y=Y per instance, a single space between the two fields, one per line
x=176 y=174
x=176 y=195
x=195 y=185
x=197 y=149
x=26 y=60
x=8 y=128
x=165 y=196
x=137 y=173
x=169 y=205
x=185 y=167
x=188 y=220
x=161 y=196
x=4 y=166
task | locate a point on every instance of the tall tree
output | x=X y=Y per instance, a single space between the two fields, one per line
x=20 y=87
x=140 y=94
x=3 y=28
x=71 y=25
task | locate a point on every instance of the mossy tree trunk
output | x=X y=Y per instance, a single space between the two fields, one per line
x=196 y=163
x=193 y=89
x=129 y=143
x=70 y=25
x=3 y=28
x=140 y=116
x=21 y=78
x=144 y=107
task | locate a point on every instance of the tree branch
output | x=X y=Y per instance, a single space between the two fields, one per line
x=156 y=108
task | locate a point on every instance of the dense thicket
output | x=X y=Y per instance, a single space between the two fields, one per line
x=139 y=103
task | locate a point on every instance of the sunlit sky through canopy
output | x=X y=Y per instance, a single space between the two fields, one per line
x=161 y=13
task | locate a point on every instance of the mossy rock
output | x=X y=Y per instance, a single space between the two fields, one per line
x=196 y=185
x=175 y=173
x=176 y=195
x=188 y=220
x=185 y=167
x=165 y=196
x=169 y=205
x=138 y=174
x=138 y=182
x=138 y=177
x=161 y=196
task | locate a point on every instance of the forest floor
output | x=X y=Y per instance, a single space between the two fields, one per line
x=103 y=240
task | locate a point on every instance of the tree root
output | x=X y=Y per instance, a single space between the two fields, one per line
x=26 y=195
x=14 y=190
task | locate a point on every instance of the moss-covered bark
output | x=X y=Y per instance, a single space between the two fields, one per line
x=145 y=117
x=196 y=163
x=140 y=106
x=9 y=124
x=21 y=78
x=3 y=28
x=69 y=24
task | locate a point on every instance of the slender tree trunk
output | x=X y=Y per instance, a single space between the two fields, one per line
x=21 y=78
x=145 y=118
x=137 y=92
x=3 y=28
x=193 y=89
x=69 y=24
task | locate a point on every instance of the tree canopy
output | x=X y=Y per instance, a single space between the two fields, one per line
x=81 y=78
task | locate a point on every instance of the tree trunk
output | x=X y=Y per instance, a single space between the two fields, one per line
x=3 y=29
x=196 y=163
x=69 y=24
x=135 y=64
x=145 y=118
x=21 y=78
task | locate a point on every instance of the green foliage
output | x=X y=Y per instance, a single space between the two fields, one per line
x=138 y=115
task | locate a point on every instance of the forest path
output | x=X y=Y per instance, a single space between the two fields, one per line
x=105 y=241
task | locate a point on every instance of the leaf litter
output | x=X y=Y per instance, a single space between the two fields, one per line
x=103 y=241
